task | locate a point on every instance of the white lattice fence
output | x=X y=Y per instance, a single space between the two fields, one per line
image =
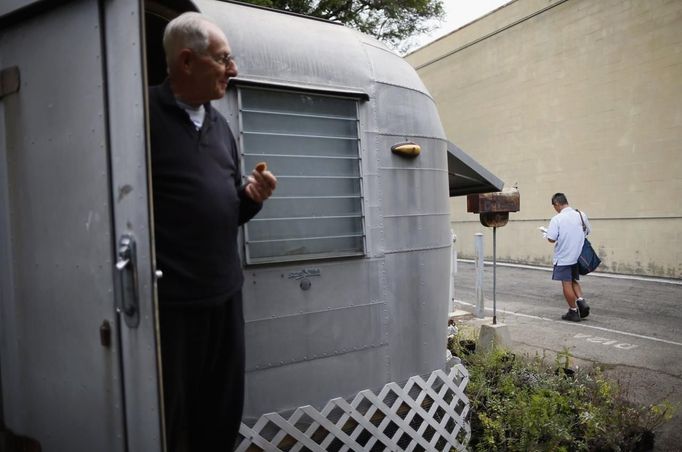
x=423 y=415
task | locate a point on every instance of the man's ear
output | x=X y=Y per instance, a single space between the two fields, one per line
x=185 y=60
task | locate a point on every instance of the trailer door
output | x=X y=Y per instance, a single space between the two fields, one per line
x=78 y=355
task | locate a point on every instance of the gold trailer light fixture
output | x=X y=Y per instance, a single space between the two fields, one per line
x=406 y=149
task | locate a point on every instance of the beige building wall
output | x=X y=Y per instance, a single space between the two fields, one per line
x=576 y=96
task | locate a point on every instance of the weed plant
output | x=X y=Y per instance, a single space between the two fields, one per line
x=525 y=404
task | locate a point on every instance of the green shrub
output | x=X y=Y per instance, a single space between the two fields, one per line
x=524 y=404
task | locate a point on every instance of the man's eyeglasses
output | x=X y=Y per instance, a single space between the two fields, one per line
x=225 y=60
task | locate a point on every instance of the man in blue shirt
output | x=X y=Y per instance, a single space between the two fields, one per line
x=566 y=231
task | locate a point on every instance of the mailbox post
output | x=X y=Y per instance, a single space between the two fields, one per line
x=493 y=210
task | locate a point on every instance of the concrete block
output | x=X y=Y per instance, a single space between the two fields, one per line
x=493 y=336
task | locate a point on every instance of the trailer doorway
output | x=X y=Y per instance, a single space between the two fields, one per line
x=157 y=14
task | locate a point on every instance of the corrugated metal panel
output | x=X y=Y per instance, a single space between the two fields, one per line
x=329 y=332
x=405 y=113
x=419 y=313
x=330 y=338
x=288 y=48
x=387 y=68
x=314 y=382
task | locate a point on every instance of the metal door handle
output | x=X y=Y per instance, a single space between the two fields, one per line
x=127 y=268
x=121 y=264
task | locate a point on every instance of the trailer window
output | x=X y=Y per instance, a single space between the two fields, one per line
x=311 y=143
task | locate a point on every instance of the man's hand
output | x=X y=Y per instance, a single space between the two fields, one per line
x=260 y=184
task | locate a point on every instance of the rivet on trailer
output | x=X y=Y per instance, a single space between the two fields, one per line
x=347 y=268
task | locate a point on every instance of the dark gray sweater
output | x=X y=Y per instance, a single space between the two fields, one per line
x=199 y=203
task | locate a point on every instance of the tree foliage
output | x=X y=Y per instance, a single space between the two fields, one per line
x=390 y=21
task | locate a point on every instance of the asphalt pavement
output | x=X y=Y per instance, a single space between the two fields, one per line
x=633 y=330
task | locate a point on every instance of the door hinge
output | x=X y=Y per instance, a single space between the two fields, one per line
x=105 y=334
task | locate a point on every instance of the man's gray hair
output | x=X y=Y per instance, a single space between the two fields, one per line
x=187 y=31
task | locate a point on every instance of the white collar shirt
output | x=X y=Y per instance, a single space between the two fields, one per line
x=566 y=229
x=196 y=114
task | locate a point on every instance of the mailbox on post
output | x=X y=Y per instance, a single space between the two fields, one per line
x=493 y=209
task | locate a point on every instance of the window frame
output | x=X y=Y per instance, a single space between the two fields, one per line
x=355 y=96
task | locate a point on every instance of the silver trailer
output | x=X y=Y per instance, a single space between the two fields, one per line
x=346 y=268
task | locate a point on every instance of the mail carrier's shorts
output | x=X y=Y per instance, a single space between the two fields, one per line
x=565 y=273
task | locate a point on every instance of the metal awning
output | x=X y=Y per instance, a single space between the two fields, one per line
x=466 y=176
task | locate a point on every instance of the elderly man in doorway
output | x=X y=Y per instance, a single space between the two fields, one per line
x=200 y=200
x=566 y=232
